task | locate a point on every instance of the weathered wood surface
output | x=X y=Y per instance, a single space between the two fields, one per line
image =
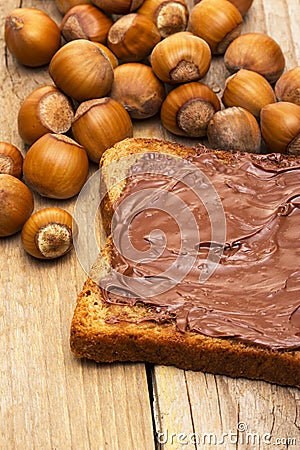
x=49 y=400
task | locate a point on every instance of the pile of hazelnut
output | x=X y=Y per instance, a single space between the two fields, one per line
x=114 y=61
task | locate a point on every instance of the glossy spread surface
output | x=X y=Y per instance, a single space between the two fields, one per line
x=213 y=246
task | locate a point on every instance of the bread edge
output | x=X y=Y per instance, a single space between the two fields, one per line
x=93 y=338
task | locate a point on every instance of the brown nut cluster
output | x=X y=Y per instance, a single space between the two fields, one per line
x=44 y=110
x=257 y=52
x=93 y=117
x=248 y=89
x=280 y=126
x=31 y=36
x=132 y=37
x=218 y=22
x=16 y=204
x=82 y=70
x=64 y=5
x=56 y=166
x=234 y=128
x=181 y=57
x=85 y=22
x=48 y=233
x=187 y=109
x=114 y=62
x=11 y=160
x=169 y=16
x=138 y=89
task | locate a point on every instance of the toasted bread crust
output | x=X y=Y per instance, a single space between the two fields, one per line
x=109 y=332
x=93 y=337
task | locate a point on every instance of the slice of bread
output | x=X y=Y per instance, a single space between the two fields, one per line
x=116 y=161
x=107 y=332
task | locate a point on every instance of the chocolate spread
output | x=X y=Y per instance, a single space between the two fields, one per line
x=211 y=245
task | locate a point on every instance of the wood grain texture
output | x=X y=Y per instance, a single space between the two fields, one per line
x=48 y=399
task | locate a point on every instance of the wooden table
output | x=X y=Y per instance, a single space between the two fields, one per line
x=50 y=400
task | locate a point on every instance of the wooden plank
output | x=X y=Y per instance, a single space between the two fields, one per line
x=276 y=18
x=203 y=411
x=172 y=408
x=49 y=400
x=196 y=410
x=293 y=11
x=242 y=414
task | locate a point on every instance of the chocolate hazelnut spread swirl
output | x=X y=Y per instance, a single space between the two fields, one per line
x=245 y=236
